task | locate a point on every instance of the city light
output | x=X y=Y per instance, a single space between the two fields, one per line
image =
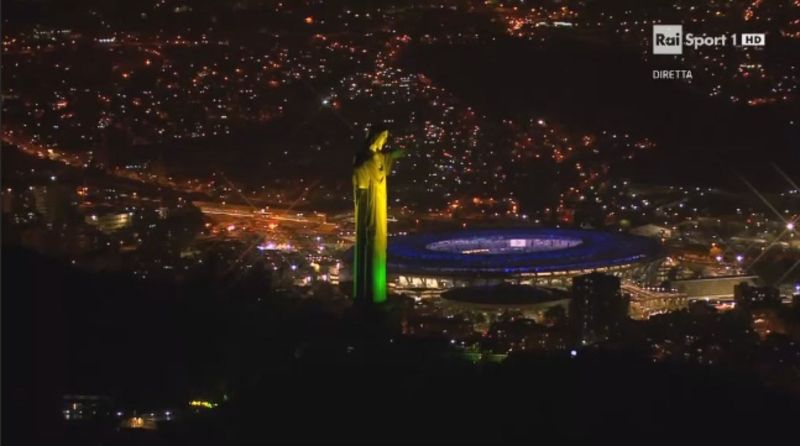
x=202 y=404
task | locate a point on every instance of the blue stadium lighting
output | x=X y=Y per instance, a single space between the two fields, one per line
x=517 y=251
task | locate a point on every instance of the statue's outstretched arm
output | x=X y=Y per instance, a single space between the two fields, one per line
x=397 y=153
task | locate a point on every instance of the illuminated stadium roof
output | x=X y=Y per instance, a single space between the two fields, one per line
x=517 y=251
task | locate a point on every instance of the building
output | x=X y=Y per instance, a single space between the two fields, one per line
x=108 y=222
x=51 y=202
x=526 y=335
x=646 y=302
x=711 y=288
x=748 y=296
x=598 y=308
x=653 y=231
x=493 y=303
x=8 y=201
x=86 y=407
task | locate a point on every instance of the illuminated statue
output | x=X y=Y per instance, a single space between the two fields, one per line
x=370 y=169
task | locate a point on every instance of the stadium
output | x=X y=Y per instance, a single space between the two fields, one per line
x=430 y=263
x=494 y=302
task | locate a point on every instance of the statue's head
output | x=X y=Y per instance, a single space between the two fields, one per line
x=377 y=140
x=374 y=144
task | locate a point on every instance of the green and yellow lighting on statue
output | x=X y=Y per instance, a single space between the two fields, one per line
x=370 y=170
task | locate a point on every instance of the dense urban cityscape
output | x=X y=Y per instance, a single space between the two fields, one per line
x=579 y=246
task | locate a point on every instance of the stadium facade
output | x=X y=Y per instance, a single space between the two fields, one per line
x=430 y=263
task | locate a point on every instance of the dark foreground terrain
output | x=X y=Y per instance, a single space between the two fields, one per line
x=306 y=371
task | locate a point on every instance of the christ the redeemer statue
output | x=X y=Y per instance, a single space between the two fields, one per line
x=370 y=169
